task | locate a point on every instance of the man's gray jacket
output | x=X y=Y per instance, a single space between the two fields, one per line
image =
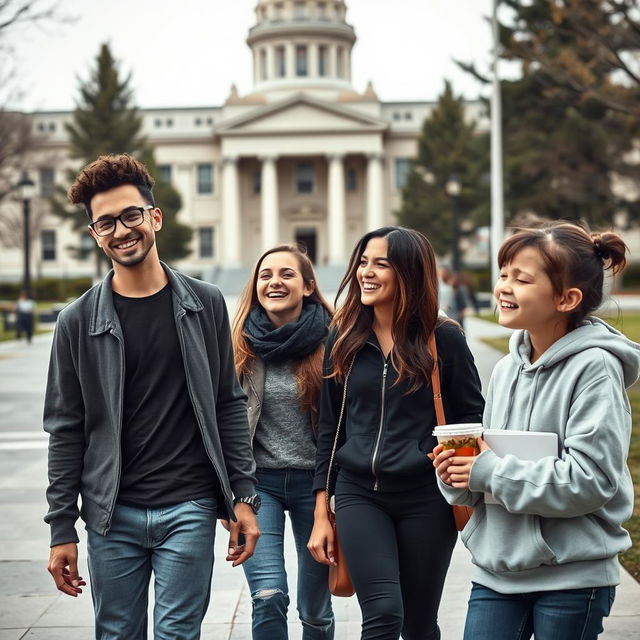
x=84 y=400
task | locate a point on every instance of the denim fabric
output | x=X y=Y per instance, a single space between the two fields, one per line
x=176 y=544
x=287 y=490
x=568 y=614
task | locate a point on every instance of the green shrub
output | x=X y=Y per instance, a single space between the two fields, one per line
x=53 y=289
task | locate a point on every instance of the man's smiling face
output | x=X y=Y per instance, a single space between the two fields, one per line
x=126 y=247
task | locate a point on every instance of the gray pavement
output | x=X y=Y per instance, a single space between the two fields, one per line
x=30 y=607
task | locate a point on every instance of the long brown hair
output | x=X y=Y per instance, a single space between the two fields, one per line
x=415 y=306
x=572 y=257
x=308 y=370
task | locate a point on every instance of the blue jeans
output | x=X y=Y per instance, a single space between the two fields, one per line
x=567 y=614
x=287 y=490
x=176 y=543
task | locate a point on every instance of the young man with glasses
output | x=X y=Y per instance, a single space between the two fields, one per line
x=147 y=424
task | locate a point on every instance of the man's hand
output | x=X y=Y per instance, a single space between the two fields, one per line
x=63 y=567
x=244 y=534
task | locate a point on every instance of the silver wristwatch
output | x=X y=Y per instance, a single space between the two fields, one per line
x=253 y=501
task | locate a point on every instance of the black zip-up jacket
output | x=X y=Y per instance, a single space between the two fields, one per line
x=387 y=432
x=83 y=402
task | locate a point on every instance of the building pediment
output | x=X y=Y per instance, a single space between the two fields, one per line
x=300 y=114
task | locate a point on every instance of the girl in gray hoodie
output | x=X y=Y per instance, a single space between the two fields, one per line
x=546 y=556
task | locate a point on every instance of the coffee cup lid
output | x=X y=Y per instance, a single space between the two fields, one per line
x=468 y=429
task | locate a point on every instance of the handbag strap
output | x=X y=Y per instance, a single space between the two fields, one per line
x=335 y=441
x=435 y=381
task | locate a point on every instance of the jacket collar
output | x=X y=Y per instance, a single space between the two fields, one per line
x=103 y=314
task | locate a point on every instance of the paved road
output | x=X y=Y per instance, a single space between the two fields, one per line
x=31 y=608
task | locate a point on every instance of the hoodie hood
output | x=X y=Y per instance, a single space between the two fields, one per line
x=593 y=332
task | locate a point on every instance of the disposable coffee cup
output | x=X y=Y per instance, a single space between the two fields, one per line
x=461 y=437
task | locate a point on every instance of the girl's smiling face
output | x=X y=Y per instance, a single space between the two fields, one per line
x=525 y=295
x=281 y=288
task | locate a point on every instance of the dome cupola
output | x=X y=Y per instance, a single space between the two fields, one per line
x=301 y=43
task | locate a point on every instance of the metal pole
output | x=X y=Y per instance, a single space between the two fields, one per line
x=497 y=188
x=26 y=283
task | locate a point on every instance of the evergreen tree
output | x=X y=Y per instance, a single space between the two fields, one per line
x=571 y=120
x=105 y=121
x=449 y=145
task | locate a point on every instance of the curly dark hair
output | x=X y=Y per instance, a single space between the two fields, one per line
x=107 y=172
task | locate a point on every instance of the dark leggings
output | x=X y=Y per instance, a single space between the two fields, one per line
x=398 y=547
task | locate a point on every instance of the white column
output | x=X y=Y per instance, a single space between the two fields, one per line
x=337 y=211
x=230 y=213
x=270 y=214
x=375 y=192
x=312 y=59
x=332 y=61
x=290 y=52
x=271 y=62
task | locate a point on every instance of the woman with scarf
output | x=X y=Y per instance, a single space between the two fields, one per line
x=278 y=335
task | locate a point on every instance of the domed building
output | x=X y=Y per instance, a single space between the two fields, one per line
x=303 y=157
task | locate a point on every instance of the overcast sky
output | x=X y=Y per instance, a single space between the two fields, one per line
x=188 y=53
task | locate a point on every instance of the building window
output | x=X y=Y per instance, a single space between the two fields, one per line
x=277 y=10
x=205 y=242
x=301 y=60
x=169 y=122
x=257 y=182
x=322 y=61
x=340 y=62
x=408 y=115
x=300 y=10
x=87 y=245
x=205 y=178
x=304 y=177
x=352 y=179
x=48 y=245
x=52 y=126
x=210 y=121
x=396 y=115
x=157 y=122
x=165 y=172
x=281 y=62
x=263 y=64
x=322 y=10
x=41 y=126
x=46 y=180
x=197 y=122
x=403 y=165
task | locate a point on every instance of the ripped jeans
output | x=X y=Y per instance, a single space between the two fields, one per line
x=287 y=490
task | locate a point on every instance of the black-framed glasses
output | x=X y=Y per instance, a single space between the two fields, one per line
x=132 y=217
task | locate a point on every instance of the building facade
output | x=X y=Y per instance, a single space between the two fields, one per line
x=303 y=157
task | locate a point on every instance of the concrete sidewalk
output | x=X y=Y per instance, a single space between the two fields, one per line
x=31 y=608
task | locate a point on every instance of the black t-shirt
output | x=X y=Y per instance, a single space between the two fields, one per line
x=164 y=460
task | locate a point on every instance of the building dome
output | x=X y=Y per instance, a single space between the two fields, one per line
x=301 y=43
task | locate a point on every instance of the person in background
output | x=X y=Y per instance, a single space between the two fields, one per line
x=545 y=558
x=25 y=311
x=278 y=336
x=396 y=530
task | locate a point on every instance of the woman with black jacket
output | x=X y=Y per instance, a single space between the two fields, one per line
x=396 y=531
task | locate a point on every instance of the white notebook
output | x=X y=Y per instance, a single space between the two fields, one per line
x=526 y=445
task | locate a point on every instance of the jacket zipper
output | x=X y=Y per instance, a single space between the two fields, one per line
x=119 y=432
x=380 y=427
x=197 y=414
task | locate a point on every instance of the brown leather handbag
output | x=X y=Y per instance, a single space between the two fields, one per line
x=340 y=583
x=461 y=513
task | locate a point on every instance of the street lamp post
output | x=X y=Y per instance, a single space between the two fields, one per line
x=26 y=190
x=454 y=188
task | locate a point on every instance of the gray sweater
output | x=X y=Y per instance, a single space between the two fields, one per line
x=283 y=437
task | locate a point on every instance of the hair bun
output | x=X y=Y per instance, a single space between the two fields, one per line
x=609 y=247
